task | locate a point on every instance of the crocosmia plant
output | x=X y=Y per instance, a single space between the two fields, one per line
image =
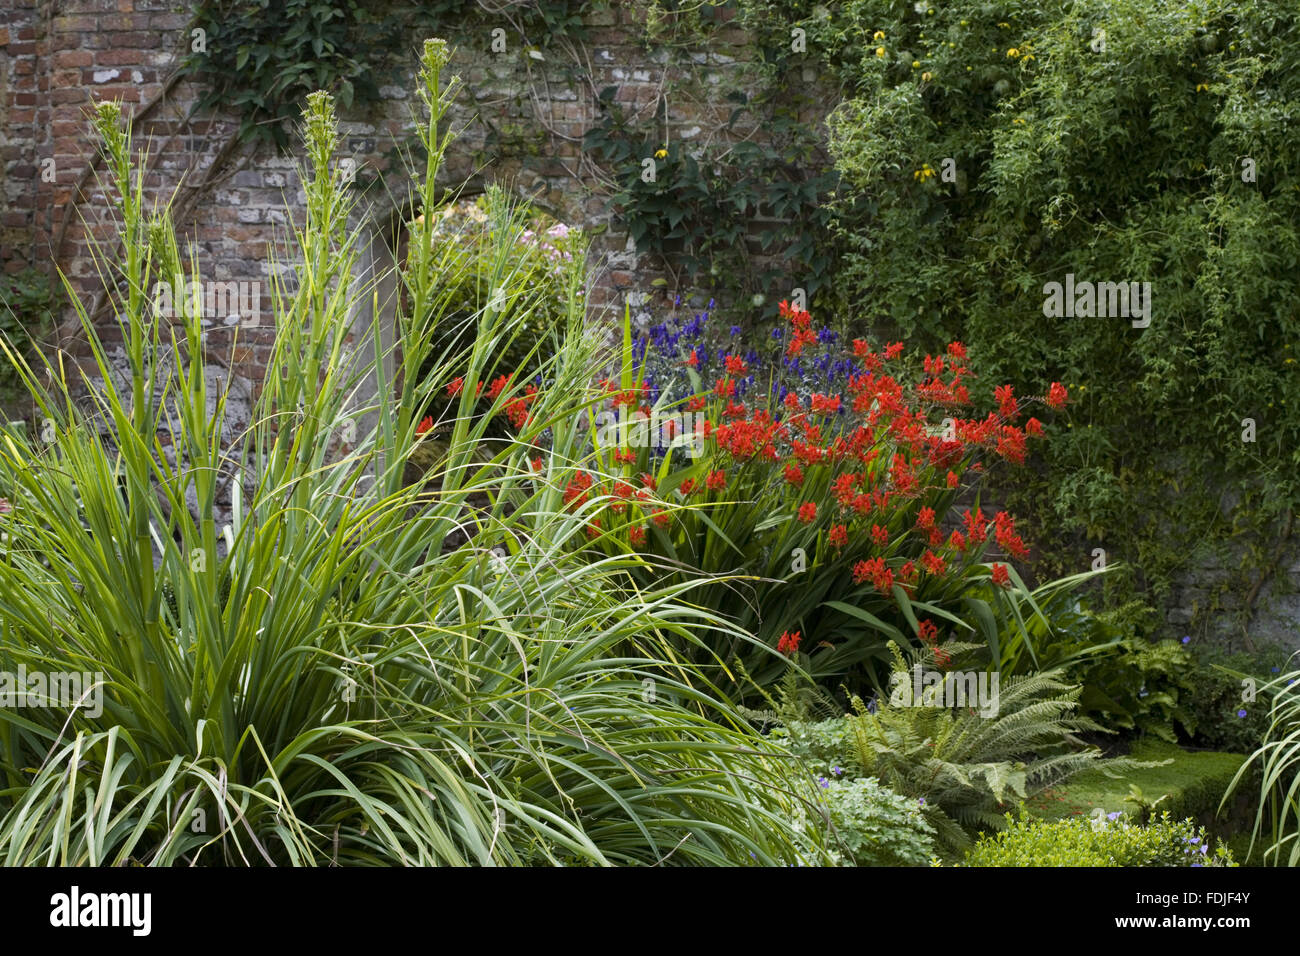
x=813 y=481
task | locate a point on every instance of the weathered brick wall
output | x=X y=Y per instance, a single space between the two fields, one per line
x=522 y=118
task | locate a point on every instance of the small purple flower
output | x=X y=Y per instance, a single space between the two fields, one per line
x=823 y=782
x=837 y=770
x=735 y=330
x=920 y=801
x=776 y=334
x=1187 y=639
x=1113 y=816
x=1274 y=669
x=1205 y=848
x=1242 y=712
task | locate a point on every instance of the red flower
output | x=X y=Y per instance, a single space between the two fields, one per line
x=455 y=385
x=839 y=536
x=792 y=402
x=661 y=518
x=957 y=350
x=636 y=534
x=957 y=540
x=735 y=365
x=426 y=423
x=789 y=643
x=879 y=535
x=725 y=388
x=696 y=404
x=1006 y=401
x=499 y=384
x=928 y=631
x=648 y=481
x=627 y=456
x=693 y=359
x=893 y=351
x=537 y=464
x=875 y=569
x=1057 y=396
x=925 y=519
x=941 y=657
x=808 y=512
x=1034 y=428
x=953 y=479
x=933 y=563
x=793 y=475
x=1000 y=576
x=825 y=404
x=593 y=528
x=716 y=481
x=687 y=486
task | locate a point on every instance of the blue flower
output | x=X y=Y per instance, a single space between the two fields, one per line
x=823 y=782
x=837 y=770
x=1274 y=669
x=920 y=801
x=1114 y=816
x=826 y=336
x=777 y=334
x=735 y=330
x=1187 y=639
x=1242 y=712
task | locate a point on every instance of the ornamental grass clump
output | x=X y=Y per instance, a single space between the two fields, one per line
x=318 y=682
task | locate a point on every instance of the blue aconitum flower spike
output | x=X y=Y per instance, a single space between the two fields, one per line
x=776 y=334
x=710 y=308
x=735 y=330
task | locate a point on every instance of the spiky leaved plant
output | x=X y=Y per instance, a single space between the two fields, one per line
x=331 y=687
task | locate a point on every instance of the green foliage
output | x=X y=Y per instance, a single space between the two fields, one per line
x=29 y=304
x=961 y=766
x=1099 y=842
x=1277 y=763
x=331 y=688
x=260 y=58
x=1115 y=158
x=1226 y=699
x=873 y=826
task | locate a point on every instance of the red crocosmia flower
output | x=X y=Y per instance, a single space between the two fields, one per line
x=1000 y=576
x=928 y=632
x=622 y=489
x=957 y=540
x=627 y=456
x=716 y=481
x=925 y=518
x=844 y=490
x=808 y=512
x=636 y=534
x=735 y=409
x=687 y=486
x=478 y=389
x=880 y=535
x=426 y=424
x=907 y=571
x=1007 y=407
x=881 y=576
x=783 y=307
x=793 y=475
x=792 y=402
x=860 y=348
x=1034 y=428
x=1008 y=540
x=933 y=563
x=499 y=385
x=1011 y=445
x=941 y=657
x=725 y=388
x=455 y=385
x=537 y=464
x=839 y=536
x=661 y=518
x=953 y=480
x=893 y=351
x=696 y=404
x=936 y=536
x=593 y=528
x=648 y=481
x=802 y=337
x=976 y=526
x=693 y=360
x=957 y=350
x=825 y=404
x=1057 y=396
x=735 y=365
x=575 y=492
x=789 y=643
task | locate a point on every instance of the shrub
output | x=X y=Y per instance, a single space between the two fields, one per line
x=873 y=826
x=1105 y=841
x=332 y=688
x=1115 y=140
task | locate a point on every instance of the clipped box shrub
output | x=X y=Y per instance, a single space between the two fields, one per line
x=1106 y=841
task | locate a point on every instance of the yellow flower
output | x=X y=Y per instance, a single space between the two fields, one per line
x=1004 y=26
x=660 y=153
x=1202 y=87
x=1013 y=53
x=916 y=64
x=924 y=173
x=880 y=51
x=878 y=35
x=926 y=77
